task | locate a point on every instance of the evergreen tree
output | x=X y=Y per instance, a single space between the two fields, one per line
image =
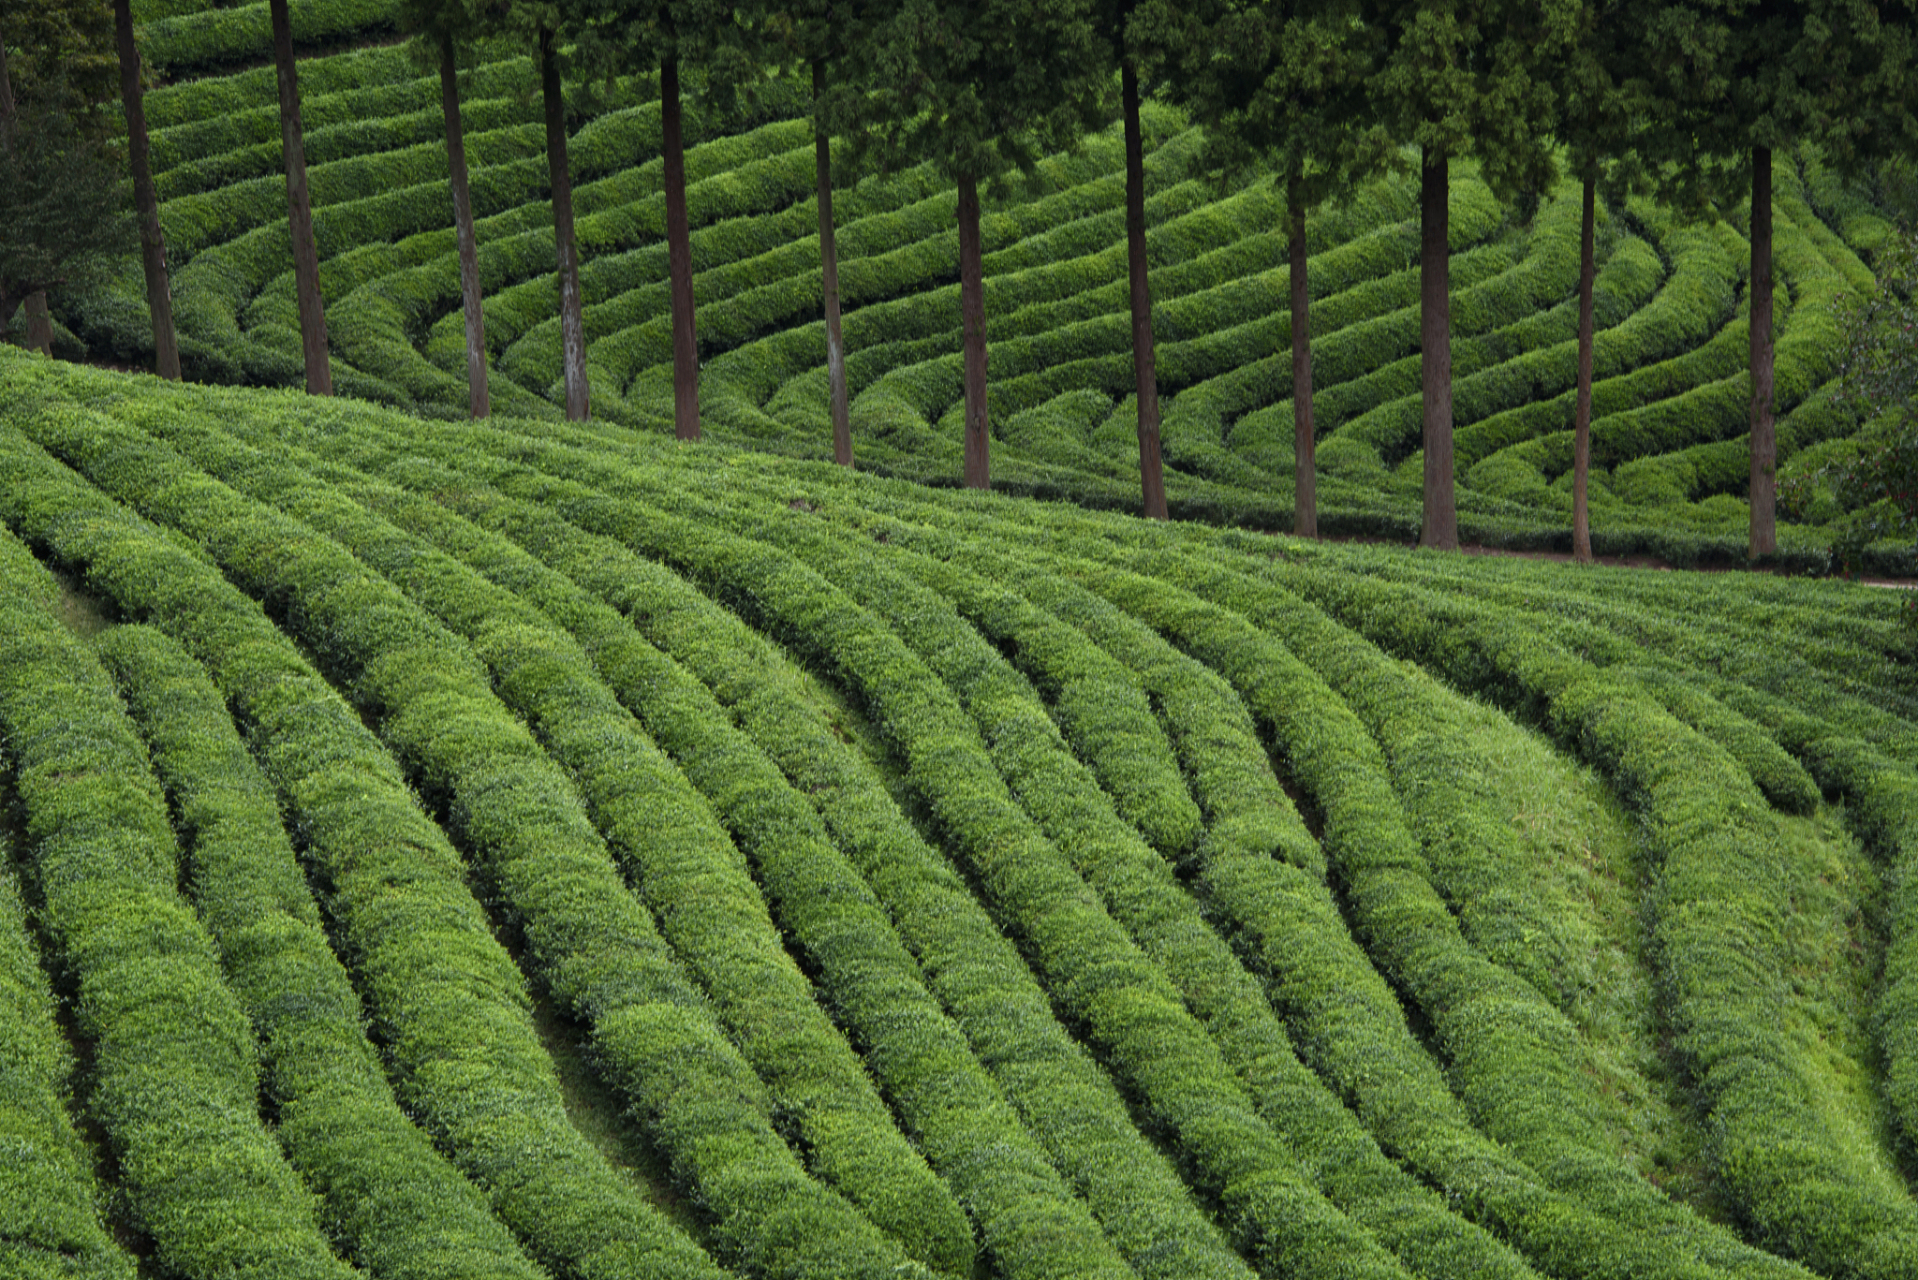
x=166 y=344
x=1752 y=77
x=1280 y=87
x=1462 y=78
x=306 y=256
x=977 y=88
x=1607 y=113
x=635 y=37
x=62 y=204
x=816 y=33
x=1129 y=50
x=444 y=27
x=61 y=64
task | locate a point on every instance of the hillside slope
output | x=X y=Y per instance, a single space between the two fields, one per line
x=936 y=882
x=1670 y=400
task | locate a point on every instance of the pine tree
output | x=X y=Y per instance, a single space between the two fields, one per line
x=977 y=88
x=1753 y=78
x=1280 y=88
x=299 y=201
x=1462 y=78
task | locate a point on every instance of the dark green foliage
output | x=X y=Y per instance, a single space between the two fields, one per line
x=48 y=1196
x=473 y=1067
x=175 y=1066
x=399 y=1207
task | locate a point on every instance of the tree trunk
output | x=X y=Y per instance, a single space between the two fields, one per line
x=1582 y=412
x=1145 y=375
x=39 y=323
x=9 y=302
x=306 y=257
x=166 y=345
x=463 y=228
x=572 y=326
x=972 y=311
x=1764 y=484
x=829 y=284
x=679 y=256
x=1440 y=527
x=1305 y=491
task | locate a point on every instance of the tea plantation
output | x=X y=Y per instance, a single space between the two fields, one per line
x=1671 y=391
x=540 y=850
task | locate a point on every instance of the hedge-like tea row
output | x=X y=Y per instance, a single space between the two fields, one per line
x=1128 y=1007
x=48 y=1196
x=1319 y=985
x=447 y=1002
x=1805 y=1186
x=1694 y=302
x=174 y=1065
x=398 y=1206
x=220 y=37
x=686 y=867
x=1102 y=709
x=607 y=962
x=986 y=988
x=1028 y=1220
x=1572 y=1253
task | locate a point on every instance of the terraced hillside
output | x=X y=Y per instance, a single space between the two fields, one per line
x=1670 y=399
x=530 y=850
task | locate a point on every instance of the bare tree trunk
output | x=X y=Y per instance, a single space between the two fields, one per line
x=572 y=326
x=9 y=303
x=306 y=257
x=679 y=256
x=463 y=227
x=1145 y=374
x=166 y=345
x=1305 y=490
x=972 y=311
x=1764 y=482
x=39 y=323
x=829 y=285
x=1440 y=528
x=1582 y=412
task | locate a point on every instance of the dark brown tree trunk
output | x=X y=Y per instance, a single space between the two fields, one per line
x=39 y=332
x=679 y=256
x=1145 y=375
x=1305 y=485
x=1764 y=485
x=572 y=327
x=1582 y=412
x=1440 y=527
x=463 y=228
x=306 y=257
x=9 y=303
x=166 y=346
x=39 y=323
x=829 y=286
x=972 y=312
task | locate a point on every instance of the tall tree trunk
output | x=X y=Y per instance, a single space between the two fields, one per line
x=679 y=256
x=1145 y=374
x=9 y=302
x=1305 y=485
x=1582 y=412
x=1764 y=483
x=166 y=345
x=829 y=283
x=306 y=257
x=463 y=228
x=972 y=311
x=572 y=326
x=39 y=323
x=1440 y=527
